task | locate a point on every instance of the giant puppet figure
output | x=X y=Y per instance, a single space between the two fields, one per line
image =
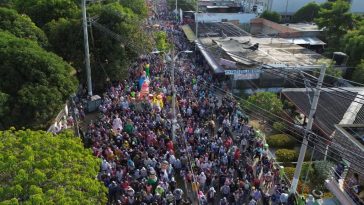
x=143 y=86
x=147 y=70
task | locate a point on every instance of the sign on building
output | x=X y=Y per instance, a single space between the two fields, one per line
x=244 y=74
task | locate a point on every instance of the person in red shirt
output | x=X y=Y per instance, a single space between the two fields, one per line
x=237 y=154
x=256 y=182
x=170 y=146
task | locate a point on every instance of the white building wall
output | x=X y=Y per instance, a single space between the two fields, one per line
x=218 y=17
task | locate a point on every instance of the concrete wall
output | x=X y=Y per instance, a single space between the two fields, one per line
x=263 y=26
x=218 y=17
x=292 y=5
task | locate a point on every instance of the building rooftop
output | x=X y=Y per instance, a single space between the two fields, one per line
x=269 y=51
x=356 y=132
x=218 y=29
x=334 y=106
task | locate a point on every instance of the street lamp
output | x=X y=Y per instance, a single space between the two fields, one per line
x=173 y=61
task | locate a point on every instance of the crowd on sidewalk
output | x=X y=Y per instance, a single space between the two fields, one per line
x=215 y=149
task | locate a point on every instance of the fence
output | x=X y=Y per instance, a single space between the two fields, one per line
x=60 y=122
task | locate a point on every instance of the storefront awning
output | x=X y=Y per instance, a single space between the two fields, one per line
x=210 y=60
x=189 y=33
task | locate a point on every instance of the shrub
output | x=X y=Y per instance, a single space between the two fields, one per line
x=306 y=167
x=279 y=127
x=289 y=171
x=286 y=155
x=322 y=170
x=303 y=188
x=281 y=141
x=271 y=16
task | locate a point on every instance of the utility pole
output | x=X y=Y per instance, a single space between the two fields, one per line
x=308 y=128
x=196 y=21
x=172 y=62
x=174 y=120
x=176 y=11
x=87 y=50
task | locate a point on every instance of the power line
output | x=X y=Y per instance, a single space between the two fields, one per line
x=291 y=130
x=322 y=89
x=311 y=68
x=310 y=132
x=331 y=141
x=350 y=81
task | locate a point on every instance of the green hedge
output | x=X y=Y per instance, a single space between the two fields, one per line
x=281 y=141
x=286 y=155
x=289 y=171
x=323 y=170
x=279 y=127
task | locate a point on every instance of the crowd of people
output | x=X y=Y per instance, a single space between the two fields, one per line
x=216 y=157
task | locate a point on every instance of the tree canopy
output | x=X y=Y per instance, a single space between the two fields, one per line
x=139 y=7
x=66 y=39
x=34 y=83
x=353 y=44
x=161 y=40
x=185 y=5
x=39 y=168
x=271 y=16
x=358 y=74
x=44 y=11
x=335 y=18
x=21 y=26
x=266 y=100
x=307 y=13
x=116 y=40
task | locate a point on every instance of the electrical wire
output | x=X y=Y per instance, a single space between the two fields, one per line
x=322 y=146
x=309 y=132
x=355 y=94
x=322 y=89
x=323 y=138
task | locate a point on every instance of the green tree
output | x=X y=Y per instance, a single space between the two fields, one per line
x=335 y=18
x=330 y=69
x=307 y=13
x=44 y=11
x=7 y=3
x=66 y=39
x=21 y=26
x=265 y=100
x=36 y=83
x=40 y=168
x=271 y=16
x=139 y=7
x=358 y=74
x=353 y=44
x=161 y=41
x=185 y=5
x=118 y=40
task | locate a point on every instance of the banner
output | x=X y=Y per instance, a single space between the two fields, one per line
x=244 y=74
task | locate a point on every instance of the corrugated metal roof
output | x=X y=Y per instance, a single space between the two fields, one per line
x=331 y=108
x=210 y=60
x=189 y=33
x=313 y=41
